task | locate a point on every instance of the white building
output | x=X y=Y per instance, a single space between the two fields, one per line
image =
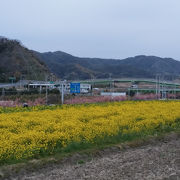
x=85 y=88
x=114 y=94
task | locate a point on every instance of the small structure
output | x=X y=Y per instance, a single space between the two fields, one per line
x=25 y=105
x=41 y=86
x=114 y=94
x=134 y=86
x=85 y=88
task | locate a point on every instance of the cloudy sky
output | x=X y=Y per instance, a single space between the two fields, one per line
x=95 y=28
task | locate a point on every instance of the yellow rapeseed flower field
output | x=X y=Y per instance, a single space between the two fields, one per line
x=27 y=134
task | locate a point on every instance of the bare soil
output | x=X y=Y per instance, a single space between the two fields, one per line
x=157 y=159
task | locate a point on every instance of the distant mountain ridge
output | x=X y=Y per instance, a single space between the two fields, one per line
x=20 y=62
x=67 y=66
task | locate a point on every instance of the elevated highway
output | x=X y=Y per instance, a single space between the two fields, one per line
x=133 y=80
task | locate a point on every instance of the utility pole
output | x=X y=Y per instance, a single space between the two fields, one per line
x=20 y=81
x=40 y=89
x=110 y=81
x=62 y=91
x=92 y=85
x=163 y=91
x=156 y=86
x=113 y=84
x=46 y=95
x=3 y=92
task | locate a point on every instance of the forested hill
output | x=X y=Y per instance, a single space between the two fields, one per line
x=67 y=66
x=19 y=62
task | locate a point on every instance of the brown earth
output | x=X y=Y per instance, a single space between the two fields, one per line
x=157 y=159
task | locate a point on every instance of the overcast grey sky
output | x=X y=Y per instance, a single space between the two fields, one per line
x=95 y=28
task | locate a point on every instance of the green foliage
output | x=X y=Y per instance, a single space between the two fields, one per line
x=17 y=60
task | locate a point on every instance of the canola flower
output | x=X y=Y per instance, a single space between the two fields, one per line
x=28 y=134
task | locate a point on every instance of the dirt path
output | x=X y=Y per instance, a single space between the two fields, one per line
x=159 y=160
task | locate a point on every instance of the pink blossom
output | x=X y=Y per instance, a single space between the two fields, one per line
x=94 y=99
x=38 y=101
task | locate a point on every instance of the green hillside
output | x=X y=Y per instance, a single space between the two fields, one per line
x=19 y=62
x=67 y=66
